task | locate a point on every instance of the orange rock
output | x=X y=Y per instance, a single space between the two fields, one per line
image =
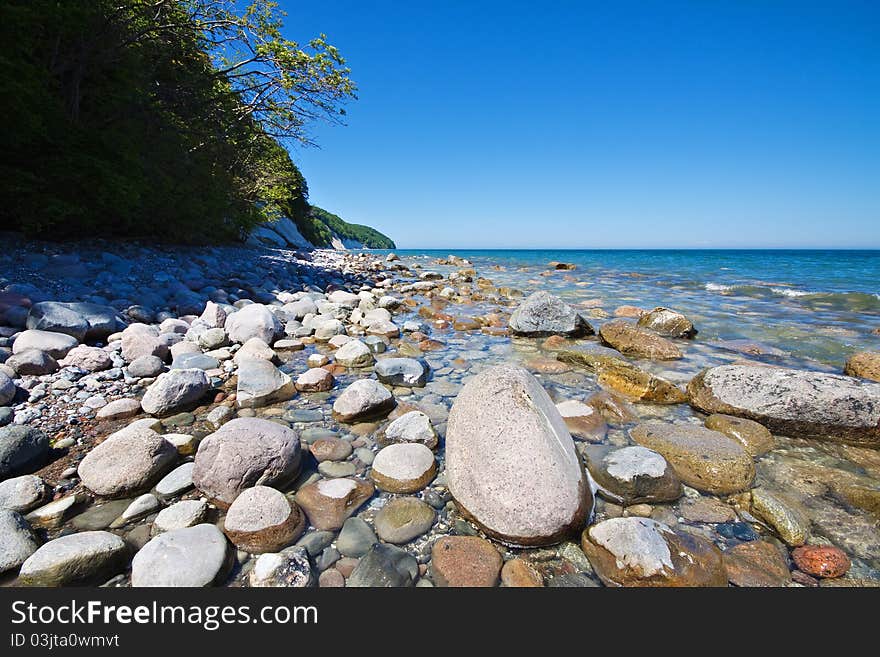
x=462 y=561
x=629 y=311
x=520 y=574
x=821 y=560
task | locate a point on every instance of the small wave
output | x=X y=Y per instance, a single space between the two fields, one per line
x=848 y=301
x=788 y=292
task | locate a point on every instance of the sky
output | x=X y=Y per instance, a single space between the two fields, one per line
x=652 y=124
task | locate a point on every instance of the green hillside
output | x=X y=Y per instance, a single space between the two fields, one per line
x=318 y=224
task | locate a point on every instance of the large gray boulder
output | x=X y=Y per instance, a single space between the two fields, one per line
x=261 y=383
x=543 y=314
x=175 y=390
x=253 y=321
x=511 y=463
x=7 y=389
x=83 y=321
x=56 y=345
x=246 y=452
x=17 y=540
x=22 y=493
x=192 y=557
x=127 y=462
x=792 y=402
x=23 y=449
x=88 y=558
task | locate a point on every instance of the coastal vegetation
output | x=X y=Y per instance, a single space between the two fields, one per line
x=161 y=119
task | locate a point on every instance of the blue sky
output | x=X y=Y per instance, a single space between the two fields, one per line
x=615 y=124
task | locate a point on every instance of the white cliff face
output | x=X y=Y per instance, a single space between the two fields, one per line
x=284 y=233
x=341 y=244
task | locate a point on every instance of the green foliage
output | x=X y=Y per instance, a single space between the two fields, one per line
x=369 y=237
x=156 y=119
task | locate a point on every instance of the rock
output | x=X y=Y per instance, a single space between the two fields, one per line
x=177 y=481
x=821 y=560
x=92 y=359
x=364 y=399
x=174 y=391
x=193 y=557
x=519 y=573
x=7 y=389
x=706 y=509
x=246 y=452
x=704 y=459
x=406 y=372
x=411 y=427
x=331 y=578
x=17 y=540
x=385 y=566
x=403 y=468
x=625 y=378
x=289 y=568
x=354 y=353
x=193 y=361
x=384 y=328
x=22 y=494
x=465 y=561
x=136 y=344
x=403 y=519
x=84 y=558
x=128 y=461
x=633 y=340
x=255 y=349
x=643 y=552
x=864 y=364
x=213 y=316
x=791 y=402
x=260 y=383
x=185 y=513
x=23 y=449
x=330 y=449
x=542 y=314
x=335 y=469
x=315 y=379
x=751 y=435
x=262 y=519
x=53 y=514
x=583 y=421
x=141 y=507
x=356 y=538
x=511 y=464
x=329 y=502
x=100 y=516
x=32 y=362
x=631 y=475
x=668 y=322
x=56 y=345
x=119 y=409
x=219 y=415
x=252 y=321
x=784 y=516
x=83 y=321
x=327 y=329
x=756 y=563
x=146 y=366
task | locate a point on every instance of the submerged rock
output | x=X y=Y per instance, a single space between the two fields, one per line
x=753 y=436
x=632 y=475
x=407 y=372
x=707 y=460
x=465 y=561
x=638 y=342
x=329 y=502
x=791 y=402
x=262 y=519
x=384 y=566
x=542 y=314
x=643 y=552
x=403 y=468
x=787 y=518
x=668 y=322
x=756 y=563
x=260 y=383
x=511 y=464
x=864 y=364
x=363 y=399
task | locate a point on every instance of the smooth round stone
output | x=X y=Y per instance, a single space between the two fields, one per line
x=356 y=538
x=704 y=459
x=119 y=409
x=289 y=568
x=638 y=342
x=583 y=420
x=100 y=516
x=191 y=557
x=331 y=578
x=330 y=449
x=141 y=507
x=176 y=482
x=365 y=455
x=756 y=439
x=376 y=344
x=289 y=345
x=362 y=400
x=412 y=427
x=403 y=519
x=384 y=566
x=54 y=513
x=787 y=518
x=255 y=349
x=85 y=558
x=146 y=366
x=92 y=359
x=32 y=362
x=175 y=390
x=194 y=361
x=403 y=468
x=518 y=573
x=213 y=338
x=757 y=563
x=632 y=475
x=315 y=542
x=17 y=540
x=57 y=345
x=180 y=515
x=262 y=519
x=316 y=379
x=329 y=502
x=821 y=560
x=129 y=461
x=22 y=493
x=465 y=561
x=336 y=469
x=317 y=360
x=260 y=383
x=407 y=372
x=354 y=353
x=23 y=449
x=643 y=552
x=668 y=322
x=706 y=509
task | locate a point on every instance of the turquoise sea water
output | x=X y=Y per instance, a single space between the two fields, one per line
x=816 y=306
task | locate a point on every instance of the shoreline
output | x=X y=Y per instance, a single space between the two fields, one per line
x=335 y=316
